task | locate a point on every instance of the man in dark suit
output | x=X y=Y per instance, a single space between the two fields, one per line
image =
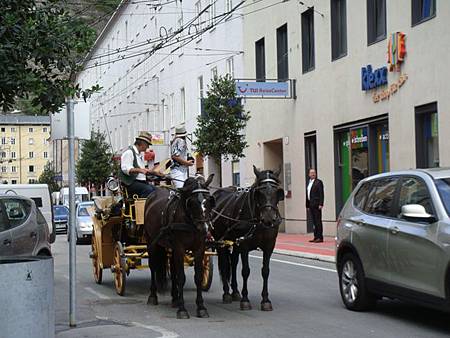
x=314 y=204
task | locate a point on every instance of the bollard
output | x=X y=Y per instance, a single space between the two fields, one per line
x=26 y=297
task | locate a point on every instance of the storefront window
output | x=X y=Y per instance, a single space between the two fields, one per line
x=427 y=135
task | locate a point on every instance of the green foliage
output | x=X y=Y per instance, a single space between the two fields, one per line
x=48 y=177
x=219 y=130
x=41 y=46
x=95 y=163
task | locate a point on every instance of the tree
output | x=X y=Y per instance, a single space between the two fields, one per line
x=48 y=177
x=219 y=130
x=95 y=163
x=41 y=46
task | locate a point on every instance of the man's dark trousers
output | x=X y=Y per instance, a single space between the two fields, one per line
x=316 y=199
x=140 y=188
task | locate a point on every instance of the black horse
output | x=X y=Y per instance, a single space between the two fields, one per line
x=250 y=218
x=178 y=221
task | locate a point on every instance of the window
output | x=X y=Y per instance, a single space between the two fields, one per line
x=443 y=186
x=198 y=9
x=414 y=191
x=212 y=12
x=376 y=20
x=213 y=72
x=17 y=211
x=381 y=197
x=282 y=53
x=172 y=109
x=13 y=154
x=13 y=140
x=30 y=130
x=13 y=169
x=3 y=154
x=200 y=93
x=45 y=129
x=30 y=154
x=3 y=140
x=360 y=198
x=338 y=29
x=30 y=141
x=183 y=104
x=13 y=129
x=4 y=169
x=427 y=135
x=308 y=58
x=235 y=173
x=45 y=154
x=230 y=66
x=13 y=181
x=310 y=154
x=229 y=5
x=423 y=10
x=31 y=168
x=260 y=60
x=32 y=180
x=3 y=129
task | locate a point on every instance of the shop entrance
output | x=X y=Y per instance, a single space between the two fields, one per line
x=273 y=160
x=362 y=150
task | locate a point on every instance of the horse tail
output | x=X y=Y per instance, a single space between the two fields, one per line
x=224 y=260
x=159 y=261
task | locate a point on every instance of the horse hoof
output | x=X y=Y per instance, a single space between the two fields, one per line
x=227 y=299
x=267 y=306
x=236 y=296
x=182 y=314
x=152 y=300
x=202 y=313
x=246 y=306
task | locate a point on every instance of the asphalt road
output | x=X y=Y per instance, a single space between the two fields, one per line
x=304 y=294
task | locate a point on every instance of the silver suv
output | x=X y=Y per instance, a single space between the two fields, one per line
x=23 y=228
x=393 y=239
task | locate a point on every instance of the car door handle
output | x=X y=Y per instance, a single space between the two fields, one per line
x=33 y=234
x=394 y=230
x=7 y=242
x=359 y=222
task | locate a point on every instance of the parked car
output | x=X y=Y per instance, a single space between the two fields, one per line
x=23 y=228
x=81 y=195
x=393 y=239
x=83 y=222
x=61 y=218
x=40 y=194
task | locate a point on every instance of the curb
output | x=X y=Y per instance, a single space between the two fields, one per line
x=322 y=258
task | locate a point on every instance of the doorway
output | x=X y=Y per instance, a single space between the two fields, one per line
x=273 y=160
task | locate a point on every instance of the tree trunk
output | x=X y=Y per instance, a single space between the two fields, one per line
x=215 y=167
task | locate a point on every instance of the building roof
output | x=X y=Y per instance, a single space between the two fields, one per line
x=24 y=119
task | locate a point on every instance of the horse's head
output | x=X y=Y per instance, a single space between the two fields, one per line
x=267 y=195
x=198 y=201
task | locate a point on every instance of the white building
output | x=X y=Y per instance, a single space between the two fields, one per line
x=334 y=125
x=154 y=63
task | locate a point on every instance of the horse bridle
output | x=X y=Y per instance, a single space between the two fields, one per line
x=271 y=183
x=193 y=193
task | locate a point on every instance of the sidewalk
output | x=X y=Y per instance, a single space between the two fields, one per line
x=298 y=245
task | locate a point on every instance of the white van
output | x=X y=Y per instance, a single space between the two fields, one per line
x=40 y=194
x=81 y=195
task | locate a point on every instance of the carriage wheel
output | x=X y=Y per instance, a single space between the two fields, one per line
x=96 y=268
x=119 y=269
x=208 y=269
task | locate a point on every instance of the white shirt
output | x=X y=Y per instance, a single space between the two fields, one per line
x=310 y=184
x=126 y=162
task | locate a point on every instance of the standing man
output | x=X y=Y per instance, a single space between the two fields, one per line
x=180 y=162
x=132 y=167
x=314 y=204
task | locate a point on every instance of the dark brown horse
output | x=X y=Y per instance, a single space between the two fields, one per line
x=250 y=218
x=178 y=221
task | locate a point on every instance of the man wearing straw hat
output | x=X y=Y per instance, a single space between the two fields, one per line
x=180 y=161
x=133 y=171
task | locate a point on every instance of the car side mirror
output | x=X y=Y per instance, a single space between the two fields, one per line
x=417 y=212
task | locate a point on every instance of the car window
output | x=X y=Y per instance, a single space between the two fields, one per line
x=83 y=211
x=40 y=218
x=381 y=197
x=4 y=224
x=443 y=186
x=361 y=196
x=17 y=211
x=61 y=211
x=414 y=191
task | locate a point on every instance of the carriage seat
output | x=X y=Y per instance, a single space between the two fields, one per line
x=105 y=205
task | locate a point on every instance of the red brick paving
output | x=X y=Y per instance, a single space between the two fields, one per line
x=300 y=243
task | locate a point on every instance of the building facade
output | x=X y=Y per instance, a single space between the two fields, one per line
x=24 y=148
x=154 y=64
x=371 y=93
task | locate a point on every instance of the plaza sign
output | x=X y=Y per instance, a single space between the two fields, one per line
x=372 y=79
x=258 y=89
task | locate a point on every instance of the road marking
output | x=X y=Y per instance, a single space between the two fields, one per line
x=297 y=264
x=98 y=294
x=165 y=333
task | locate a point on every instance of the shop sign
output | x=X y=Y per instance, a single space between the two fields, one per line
x=391 y=90
x=263 y=89
x=372 y=79
x=359 y=138
x=157 y=139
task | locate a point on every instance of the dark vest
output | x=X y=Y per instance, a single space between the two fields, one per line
x=129 y=179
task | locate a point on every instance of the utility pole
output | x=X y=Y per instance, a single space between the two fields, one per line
x=72 y=233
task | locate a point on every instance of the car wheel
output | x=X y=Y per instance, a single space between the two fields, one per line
x=352 y=284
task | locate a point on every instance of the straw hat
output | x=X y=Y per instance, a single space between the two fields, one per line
x=145 y=136
x=181 y=131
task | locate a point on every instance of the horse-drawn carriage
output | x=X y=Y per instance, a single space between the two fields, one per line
x=119 y=242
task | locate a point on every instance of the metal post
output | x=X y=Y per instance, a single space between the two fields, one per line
x=73 y=240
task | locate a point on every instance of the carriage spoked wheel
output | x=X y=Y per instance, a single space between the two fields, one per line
x=96 y=268
x=208 y=268
x=119 y=269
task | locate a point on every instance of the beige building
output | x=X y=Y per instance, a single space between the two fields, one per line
x=349 y=120
x=24 y=148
